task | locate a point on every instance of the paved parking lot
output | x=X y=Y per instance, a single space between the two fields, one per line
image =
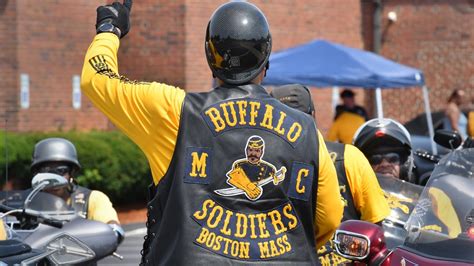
x=130 y=247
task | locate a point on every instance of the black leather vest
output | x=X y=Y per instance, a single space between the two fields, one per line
x=241 y=186
x=80 y=200
x=336 y=151
x=327 y=254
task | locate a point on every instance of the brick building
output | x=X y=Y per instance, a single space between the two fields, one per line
x=43 y=45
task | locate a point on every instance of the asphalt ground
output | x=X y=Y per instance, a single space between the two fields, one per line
x=130 y=247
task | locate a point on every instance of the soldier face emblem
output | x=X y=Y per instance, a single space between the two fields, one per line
x=250 y=174
x=254 y=149
x=254 y=155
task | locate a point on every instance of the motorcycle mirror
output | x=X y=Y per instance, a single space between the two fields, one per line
x=48 y=180
x=447 y=138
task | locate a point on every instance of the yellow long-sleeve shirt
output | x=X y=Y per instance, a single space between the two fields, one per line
x=344 y=127
x=100 y=208
x=149 y=113
x=365 y=189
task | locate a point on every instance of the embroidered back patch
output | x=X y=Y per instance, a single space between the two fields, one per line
x=245 y=236
x=253 y=113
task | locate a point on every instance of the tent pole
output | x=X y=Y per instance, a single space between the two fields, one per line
x=335 y=97
x=378 y=99
x=429 y=120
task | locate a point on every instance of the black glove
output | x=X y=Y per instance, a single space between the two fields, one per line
x=116 y=14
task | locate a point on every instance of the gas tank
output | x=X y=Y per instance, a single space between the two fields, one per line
x=408 y=257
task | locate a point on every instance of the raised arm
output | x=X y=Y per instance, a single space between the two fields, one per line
x=146 y=112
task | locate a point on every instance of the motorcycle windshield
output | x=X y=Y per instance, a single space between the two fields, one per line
x=47 y=204
x=401 y=197
x=442 y=223
x=14 y=198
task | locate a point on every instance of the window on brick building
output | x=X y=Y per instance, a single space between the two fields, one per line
x=24 y=91
x=76 y=92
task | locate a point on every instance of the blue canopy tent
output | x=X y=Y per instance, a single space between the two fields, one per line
x=321 y=63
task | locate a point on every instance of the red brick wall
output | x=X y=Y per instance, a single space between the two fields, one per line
x=51 y=44
x=155 y=49
x=437 y=37
x=166 y=44
x=8 y=65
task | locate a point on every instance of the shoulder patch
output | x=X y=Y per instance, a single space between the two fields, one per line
x=198 y=167
x=301 y=182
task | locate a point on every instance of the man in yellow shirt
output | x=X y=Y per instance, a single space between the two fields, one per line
x=201 y=208
x=360 y=190
x=349 y=117
x=59 y=156
x=344 y=127
x=349 y=105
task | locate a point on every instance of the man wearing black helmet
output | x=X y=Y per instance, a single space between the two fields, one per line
x=59 y=156
x=360 y=191
x=206 y=204
x=387 y=145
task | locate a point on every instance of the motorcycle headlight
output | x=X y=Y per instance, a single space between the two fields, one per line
x=351 y=245
x=68 y=250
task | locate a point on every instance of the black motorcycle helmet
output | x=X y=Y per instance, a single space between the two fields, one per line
x=238 y=42
x=386 y=135
x=55 y=150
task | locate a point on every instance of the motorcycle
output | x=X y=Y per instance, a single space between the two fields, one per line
x=439 y=230
x=43 y=230
x=425 y=161
x=402 y=196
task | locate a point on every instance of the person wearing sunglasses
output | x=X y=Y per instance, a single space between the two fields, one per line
x=387 y=146
x=59 y=156
x=359 y=189
x=386 y=163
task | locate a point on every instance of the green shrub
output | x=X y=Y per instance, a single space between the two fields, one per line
x=110 y=162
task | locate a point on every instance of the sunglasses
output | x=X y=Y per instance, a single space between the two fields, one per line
x=59 y=170
x=390 y=157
